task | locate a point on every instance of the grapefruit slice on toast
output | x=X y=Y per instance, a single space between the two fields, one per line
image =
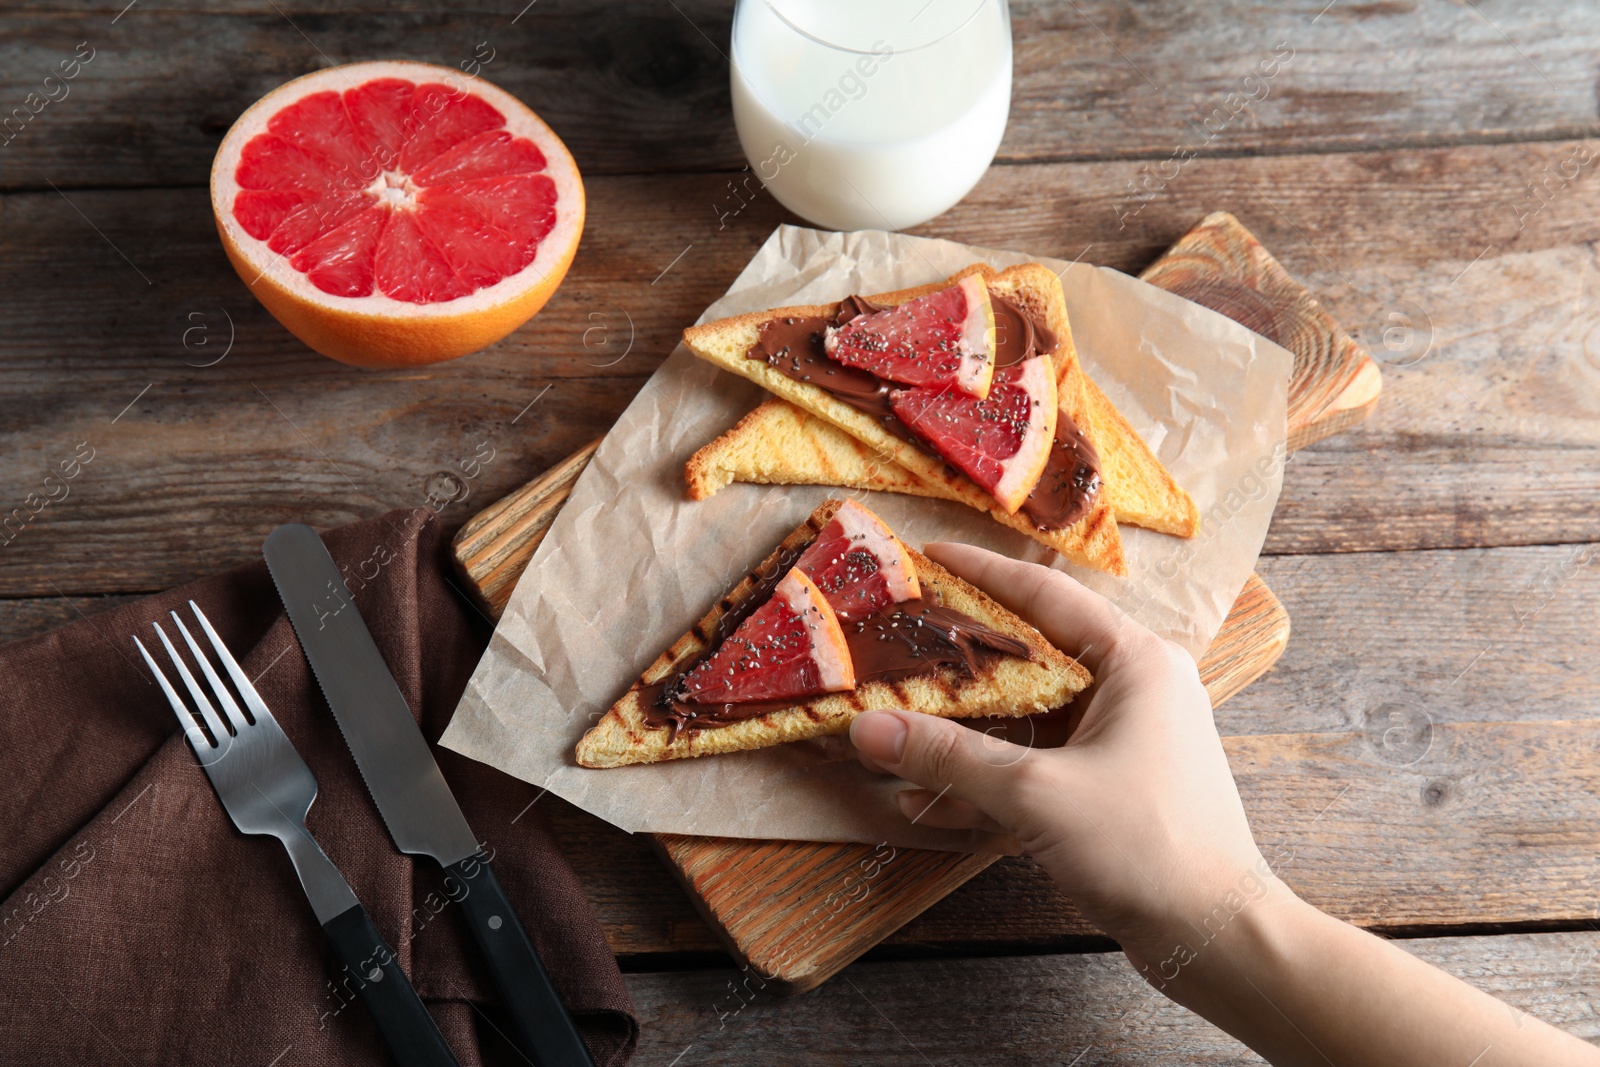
x=859 y=565
x=1002 y=441
x=394 y=213
x=783 y=450
x=791 y=646
x=944 y=338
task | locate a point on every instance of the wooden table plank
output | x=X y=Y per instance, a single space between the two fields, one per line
x=1469 y=636
x=1429 y=636
x=639 y=87
x=1449 y=633
x=1039 y=1009
x=1397 y=210
x=630 y=86
x=1496 y=823
x=27 y=617
x=1487 y=441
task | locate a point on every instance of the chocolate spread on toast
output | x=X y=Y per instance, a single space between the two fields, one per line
x=793 y=345
x=912 y=638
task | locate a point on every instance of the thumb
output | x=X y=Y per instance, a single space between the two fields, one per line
x=944 y=756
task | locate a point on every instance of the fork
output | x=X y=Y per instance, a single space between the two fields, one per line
x=267 y=789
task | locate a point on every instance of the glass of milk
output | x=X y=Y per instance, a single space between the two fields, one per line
x=870 y=114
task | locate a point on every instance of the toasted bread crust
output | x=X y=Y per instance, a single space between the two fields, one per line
x=1143 y=492
x=1093 y=541
x=1006 y=686
x=779 y=444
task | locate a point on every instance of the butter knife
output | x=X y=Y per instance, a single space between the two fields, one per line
x=417 y=806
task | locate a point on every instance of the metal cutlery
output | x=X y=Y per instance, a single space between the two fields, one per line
x=267 y=789
x=412 y=796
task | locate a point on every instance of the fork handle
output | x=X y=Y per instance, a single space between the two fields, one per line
x=544 y=1029
x=407 y=1028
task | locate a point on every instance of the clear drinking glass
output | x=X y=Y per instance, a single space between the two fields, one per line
x=870 y=114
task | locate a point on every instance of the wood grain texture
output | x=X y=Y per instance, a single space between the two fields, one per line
x=30 y=617
x=1488 y=440
x=1221 y=265
x=1040 y=1009
x=1456 y=636
x=622 y=83
x=494 y=547
x=1323 y=216
x=642 y=87
x=1495 y=823
x=736 y=884
x=1250 y=641
x=795 y=913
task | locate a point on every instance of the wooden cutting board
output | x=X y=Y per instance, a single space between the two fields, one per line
x=795 y=913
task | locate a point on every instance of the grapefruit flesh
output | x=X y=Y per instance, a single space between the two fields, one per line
x=943 y=338
x=1002 y=441
x=859 y=565
x=789 y=648
x=397 y=213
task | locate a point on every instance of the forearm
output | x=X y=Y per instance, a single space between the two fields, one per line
x=1302 y=988
x=1137 y=818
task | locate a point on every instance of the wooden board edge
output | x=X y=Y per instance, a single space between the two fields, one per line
x=1352 y=405
x=838 y=949
x=1249 y=643
x=494 y=547
x=1219 y=256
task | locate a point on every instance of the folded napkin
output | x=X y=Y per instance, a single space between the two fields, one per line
x=140 y=927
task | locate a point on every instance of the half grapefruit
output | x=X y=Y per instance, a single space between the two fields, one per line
x=394 y=213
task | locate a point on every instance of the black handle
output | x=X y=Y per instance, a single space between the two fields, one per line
x=544 y=1029
x=374 y=971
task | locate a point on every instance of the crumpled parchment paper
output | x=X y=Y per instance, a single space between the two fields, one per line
x=631 y=563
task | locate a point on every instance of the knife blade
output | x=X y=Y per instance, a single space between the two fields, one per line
x=405 y=782
x=416 y=804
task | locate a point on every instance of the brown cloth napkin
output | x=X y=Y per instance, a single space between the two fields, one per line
x=139 y=927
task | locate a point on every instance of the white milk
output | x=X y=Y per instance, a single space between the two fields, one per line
x=887 y=125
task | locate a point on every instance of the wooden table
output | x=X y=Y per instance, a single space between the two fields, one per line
x=1435 y=560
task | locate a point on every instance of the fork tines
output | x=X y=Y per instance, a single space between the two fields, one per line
x=216 y=734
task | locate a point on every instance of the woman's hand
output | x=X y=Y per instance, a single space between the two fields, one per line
x=1136 y=817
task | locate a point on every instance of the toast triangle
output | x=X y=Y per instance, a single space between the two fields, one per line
x=1003 y=686
x=1093 y=541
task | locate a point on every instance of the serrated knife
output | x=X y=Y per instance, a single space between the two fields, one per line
x=416 y=804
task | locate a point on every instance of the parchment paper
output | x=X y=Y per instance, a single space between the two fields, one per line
x=630 y=563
